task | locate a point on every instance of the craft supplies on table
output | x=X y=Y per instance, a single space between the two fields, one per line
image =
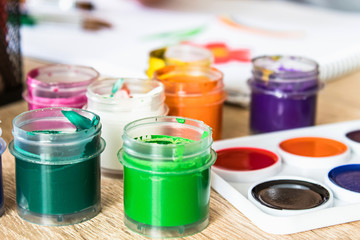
x=283 y=93
x=325 y=171
x=119 y=101
x=167 y=164
x=195 y=92
x=57 y=164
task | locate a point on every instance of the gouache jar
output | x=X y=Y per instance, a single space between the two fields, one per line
x=182 y=54
x=167 y=164
x=283 y=93
x=57 y=166
x=144 y=98
x=2 y=149
x=58 y=85
x=194 y=92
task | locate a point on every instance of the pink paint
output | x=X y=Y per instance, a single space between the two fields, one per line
x=58 y=85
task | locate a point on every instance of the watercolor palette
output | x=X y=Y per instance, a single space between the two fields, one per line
x=236 y=193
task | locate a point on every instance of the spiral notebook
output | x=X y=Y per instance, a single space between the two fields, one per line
x=258 y=27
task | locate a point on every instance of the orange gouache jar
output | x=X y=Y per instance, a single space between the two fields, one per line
x=195 y=92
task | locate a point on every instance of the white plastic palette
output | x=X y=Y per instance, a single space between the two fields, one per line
x=236 y=193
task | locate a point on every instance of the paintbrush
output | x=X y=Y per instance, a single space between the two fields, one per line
x=86 y=22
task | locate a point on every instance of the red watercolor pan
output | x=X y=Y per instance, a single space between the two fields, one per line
x=246 y=164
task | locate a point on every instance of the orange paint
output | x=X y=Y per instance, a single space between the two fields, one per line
x=194 y=92
x=313 y=146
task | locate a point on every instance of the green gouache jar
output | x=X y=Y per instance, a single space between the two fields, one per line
x=57 y=166
x=167 y=164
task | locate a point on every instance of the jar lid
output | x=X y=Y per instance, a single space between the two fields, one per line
x=344 y=182
x=313 y=152
x=246 y=164
x=287 y=196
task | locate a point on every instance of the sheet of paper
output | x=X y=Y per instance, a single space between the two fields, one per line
x=263 y=27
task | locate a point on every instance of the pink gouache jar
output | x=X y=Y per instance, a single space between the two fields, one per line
x=58 y=85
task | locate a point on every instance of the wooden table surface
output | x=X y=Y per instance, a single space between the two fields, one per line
x=338 y=101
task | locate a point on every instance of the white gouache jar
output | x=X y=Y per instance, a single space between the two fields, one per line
x=142 y=98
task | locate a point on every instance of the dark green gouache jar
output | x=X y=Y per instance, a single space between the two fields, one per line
x=57 y=166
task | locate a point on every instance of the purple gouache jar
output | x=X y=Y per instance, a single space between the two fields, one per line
x=283 y=93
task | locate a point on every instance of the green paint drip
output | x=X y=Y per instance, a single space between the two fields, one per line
x=79 y=121
x=205 y=134
x=180 y=120
x=117 y=85
x=44 y=131
x=163 y=139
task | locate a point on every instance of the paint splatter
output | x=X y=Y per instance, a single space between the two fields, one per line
x=180 y=120
x=205 y=134
x=79 y=121
x=178 y=35
x=235 y=23
x=117 y=85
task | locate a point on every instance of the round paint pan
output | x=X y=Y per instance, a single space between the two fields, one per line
x=344 y=181
x=313 y=152
x=287 y=196
x=353 y=139
x=246 y=164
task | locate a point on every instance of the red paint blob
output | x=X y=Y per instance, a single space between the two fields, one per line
x=245 y=159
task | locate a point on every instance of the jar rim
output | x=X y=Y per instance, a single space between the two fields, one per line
x=146 y=120
x=32 y=76
x=22 y=131
x=289 y=75
x=92 y=95
x=2 y=145
x=188 y=68
x=59 y=147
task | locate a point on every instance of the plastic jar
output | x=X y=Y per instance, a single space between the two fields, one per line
x=182 y=54
x=283 y=93
x=194 y=92
x=2 y=149
x=167 y=164
x=146 y=99
x=57 y=166
x=58 y=85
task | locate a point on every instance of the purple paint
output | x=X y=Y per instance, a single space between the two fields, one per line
x=283 y=93
x=354 y=135
x=346 y=176
x=58 y=85
x=2 y=149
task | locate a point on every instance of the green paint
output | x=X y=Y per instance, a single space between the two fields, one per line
x=205 y=134
x=167 y=193
x=163 y=139
x=117 y=85
x=44 y=132
x=57 y=189
x=57 y=172
x=79 y=121
x=178 y=35
x=180 y=120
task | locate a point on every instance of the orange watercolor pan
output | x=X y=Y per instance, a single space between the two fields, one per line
x=313 y=152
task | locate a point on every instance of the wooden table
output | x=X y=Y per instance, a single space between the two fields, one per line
x=339 y=101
